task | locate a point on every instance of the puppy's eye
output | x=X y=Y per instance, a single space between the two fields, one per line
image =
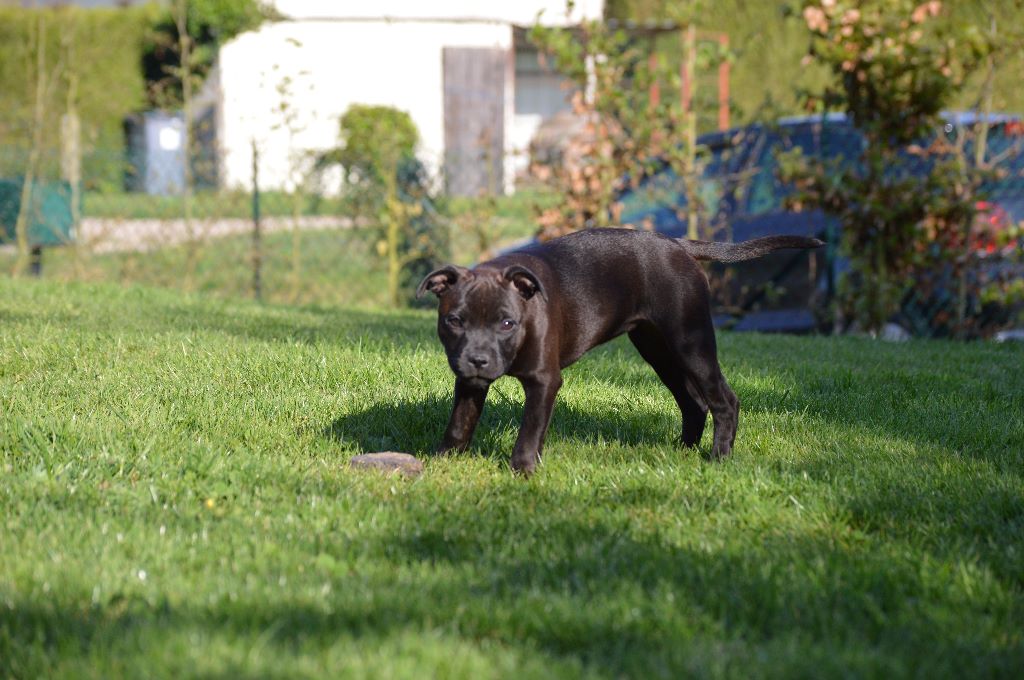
x=508 y=324
x=453 y=321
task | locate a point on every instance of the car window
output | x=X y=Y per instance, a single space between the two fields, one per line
x=661 y=190
x=711 y=186
x=762 y=193
x=765 y=192
x=841 y=142
x=665 y=190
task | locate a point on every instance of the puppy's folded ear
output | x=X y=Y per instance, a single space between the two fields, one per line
x=440 y=280
x=525 y=281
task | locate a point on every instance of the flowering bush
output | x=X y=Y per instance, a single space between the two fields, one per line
x=896 y=66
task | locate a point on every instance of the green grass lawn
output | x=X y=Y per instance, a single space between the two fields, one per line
x=176 y=502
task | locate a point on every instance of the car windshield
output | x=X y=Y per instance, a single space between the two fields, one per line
x=745 y=167
x=840 y=144
x=1006 y=152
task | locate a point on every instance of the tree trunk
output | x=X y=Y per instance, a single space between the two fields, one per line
x=185 y=74
x=394 y=217
x=71 y=142
x=25 y=207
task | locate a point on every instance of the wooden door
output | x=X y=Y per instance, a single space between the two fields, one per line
x=474 y=119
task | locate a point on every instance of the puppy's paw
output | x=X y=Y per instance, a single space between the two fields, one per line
x=449 y=449
x=719 y=454
x=524 y=465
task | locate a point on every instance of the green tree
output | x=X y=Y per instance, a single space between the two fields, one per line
x=107 y=85
x=767 y=75
x=204 y=25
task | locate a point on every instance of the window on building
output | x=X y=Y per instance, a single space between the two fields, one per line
x=539 y=89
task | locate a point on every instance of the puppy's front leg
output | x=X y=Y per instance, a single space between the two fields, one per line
x=466 y=409
x=540 y=401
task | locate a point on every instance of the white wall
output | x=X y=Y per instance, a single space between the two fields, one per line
x=326 y=66
x=522 y=12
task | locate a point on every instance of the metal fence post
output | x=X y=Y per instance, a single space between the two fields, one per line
x=257 y=253
x=831 y=256
x=35 y=261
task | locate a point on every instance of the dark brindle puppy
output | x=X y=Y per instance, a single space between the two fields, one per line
x=531 y=313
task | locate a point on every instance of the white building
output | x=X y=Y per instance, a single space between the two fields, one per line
x=463 y=69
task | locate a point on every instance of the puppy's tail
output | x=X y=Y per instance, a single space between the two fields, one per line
x=747 y=250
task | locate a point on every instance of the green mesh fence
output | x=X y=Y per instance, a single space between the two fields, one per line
x=305 y=246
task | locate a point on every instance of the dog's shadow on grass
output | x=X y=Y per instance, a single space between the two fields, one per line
x=416 y=426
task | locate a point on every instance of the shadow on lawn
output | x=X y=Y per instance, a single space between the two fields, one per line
x=416 y=426
x=153 y=311
x=745 y=597
x=575 y=586
x=980 y=423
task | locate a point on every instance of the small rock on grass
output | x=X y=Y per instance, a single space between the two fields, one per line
x=388 y=461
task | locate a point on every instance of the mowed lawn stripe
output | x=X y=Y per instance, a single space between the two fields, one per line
x=176 y=502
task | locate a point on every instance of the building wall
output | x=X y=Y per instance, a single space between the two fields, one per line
x=522 y=12
x=286 y=85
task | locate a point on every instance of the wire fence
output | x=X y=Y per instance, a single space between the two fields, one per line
x=208 y=242
x=154 y=222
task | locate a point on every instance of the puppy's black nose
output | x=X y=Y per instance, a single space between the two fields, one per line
x=478 y=360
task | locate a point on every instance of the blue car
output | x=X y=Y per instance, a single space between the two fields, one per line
x=740 y=191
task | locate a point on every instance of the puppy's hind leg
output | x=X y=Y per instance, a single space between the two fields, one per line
x=655 y=351
x=694 y=348
x=695 y=414
x=703 y=369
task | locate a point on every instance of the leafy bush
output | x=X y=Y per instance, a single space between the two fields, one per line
x=635 y=116
x=375 y=141
x=387 y=184
x=767 y=75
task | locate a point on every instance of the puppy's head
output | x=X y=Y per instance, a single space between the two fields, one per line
x=482 y=315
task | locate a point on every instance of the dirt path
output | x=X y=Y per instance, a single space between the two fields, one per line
x=115 y=235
